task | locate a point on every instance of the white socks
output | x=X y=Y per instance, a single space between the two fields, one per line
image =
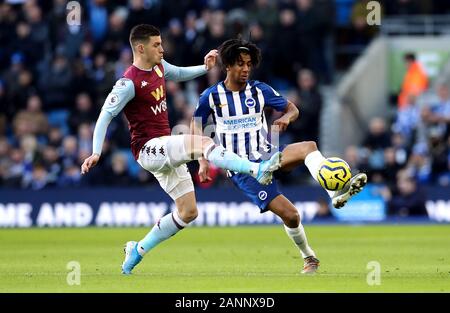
x=312 y=162
x=298 y=236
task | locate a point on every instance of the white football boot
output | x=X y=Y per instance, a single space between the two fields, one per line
x=354 y=186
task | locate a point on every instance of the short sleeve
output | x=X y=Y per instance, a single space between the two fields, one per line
x=120 y=95
x=272 y=98
x=203 y=110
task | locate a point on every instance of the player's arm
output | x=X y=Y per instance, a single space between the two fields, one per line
x=179 y=74
x=122 y=93
x=200 y=118
x=290 y=114
x=281 y=104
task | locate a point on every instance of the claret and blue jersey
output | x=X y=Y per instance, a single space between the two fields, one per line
x=241 y=127
x=239 y=117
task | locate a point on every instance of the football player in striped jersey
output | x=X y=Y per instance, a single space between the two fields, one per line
x=237 y=106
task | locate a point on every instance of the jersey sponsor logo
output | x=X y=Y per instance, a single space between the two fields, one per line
x=240 y=123
x=250 y=102
x=221 y=105
x=158 y=93
x=262 y=195
x=159 y=108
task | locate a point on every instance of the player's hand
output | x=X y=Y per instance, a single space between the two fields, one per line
x=203 y=172
x=89 y=163
x=281 y=124
x=210 y=59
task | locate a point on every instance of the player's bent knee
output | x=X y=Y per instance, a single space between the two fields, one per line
x=206 y=142
x=310 y=146
x=188 y=214
x=292 y=219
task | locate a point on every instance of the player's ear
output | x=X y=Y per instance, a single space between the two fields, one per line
x=140 y=48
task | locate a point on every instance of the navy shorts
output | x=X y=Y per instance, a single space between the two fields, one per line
x=259 y=194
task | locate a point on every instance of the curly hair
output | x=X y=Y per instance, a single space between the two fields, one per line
x=231 y=50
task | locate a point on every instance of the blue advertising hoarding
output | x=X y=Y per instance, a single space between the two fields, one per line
x=132 y=207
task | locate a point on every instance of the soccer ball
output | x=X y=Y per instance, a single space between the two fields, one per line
x=333 y=174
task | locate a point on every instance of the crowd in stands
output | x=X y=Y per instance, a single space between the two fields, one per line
x=54 y=78
x=412 y=149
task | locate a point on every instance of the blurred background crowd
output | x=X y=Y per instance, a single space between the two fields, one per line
x=55 y=77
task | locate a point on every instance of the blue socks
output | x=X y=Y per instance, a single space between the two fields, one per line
x=165 y=228
x=228 y=160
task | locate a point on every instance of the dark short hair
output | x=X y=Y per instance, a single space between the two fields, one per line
x=231 y=50
x=141 y=33
x=410 y=57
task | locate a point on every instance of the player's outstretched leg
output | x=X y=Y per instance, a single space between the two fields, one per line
x=284 y=208
x=307 y=151
x=225 y=159
x=165 y=228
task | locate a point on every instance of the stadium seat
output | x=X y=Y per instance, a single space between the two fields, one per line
x=58 y=118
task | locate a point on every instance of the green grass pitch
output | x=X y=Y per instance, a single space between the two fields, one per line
x=414 y=258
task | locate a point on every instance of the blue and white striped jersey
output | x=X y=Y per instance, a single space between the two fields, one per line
x=240 y=123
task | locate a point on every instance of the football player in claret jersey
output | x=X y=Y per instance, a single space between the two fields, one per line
x=237 y=105
x=141 y=94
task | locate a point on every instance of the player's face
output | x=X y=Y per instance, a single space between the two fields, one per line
x=240 y=71
x=153 y=50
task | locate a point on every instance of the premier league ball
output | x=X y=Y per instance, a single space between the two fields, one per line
x=333 y=174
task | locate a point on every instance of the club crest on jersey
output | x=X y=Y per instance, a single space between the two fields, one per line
x=158 y=71
x=158 y=93
x=250 y=102
x=262 y=195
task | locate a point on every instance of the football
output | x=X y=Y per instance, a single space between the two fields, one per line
x=334 y=173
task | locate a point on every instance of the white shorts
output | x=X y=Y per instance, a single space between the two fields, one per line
x=165 y=157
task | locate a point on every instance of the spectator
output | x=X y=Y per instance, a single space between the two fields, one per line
x=116 y=37
x=419 y=164
x=362 y=32
x=15 y=170
x=286 y=56
x=438 y=114
x=54 y=137
x=85 y=133
x=98 y=19
x=69 y=151
x=31 y=121
x=51 y=162
x=71 y=177
x=83 y=112
x=125 y=61
x=264 y=13
x=376 y=141
x=415 y=81
x=313 y=26
x=56 y=82
x=39 y=179
x=407 y=199
x=117 y=174
x=408 y=120
x=310 y=105
x=378 y=136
